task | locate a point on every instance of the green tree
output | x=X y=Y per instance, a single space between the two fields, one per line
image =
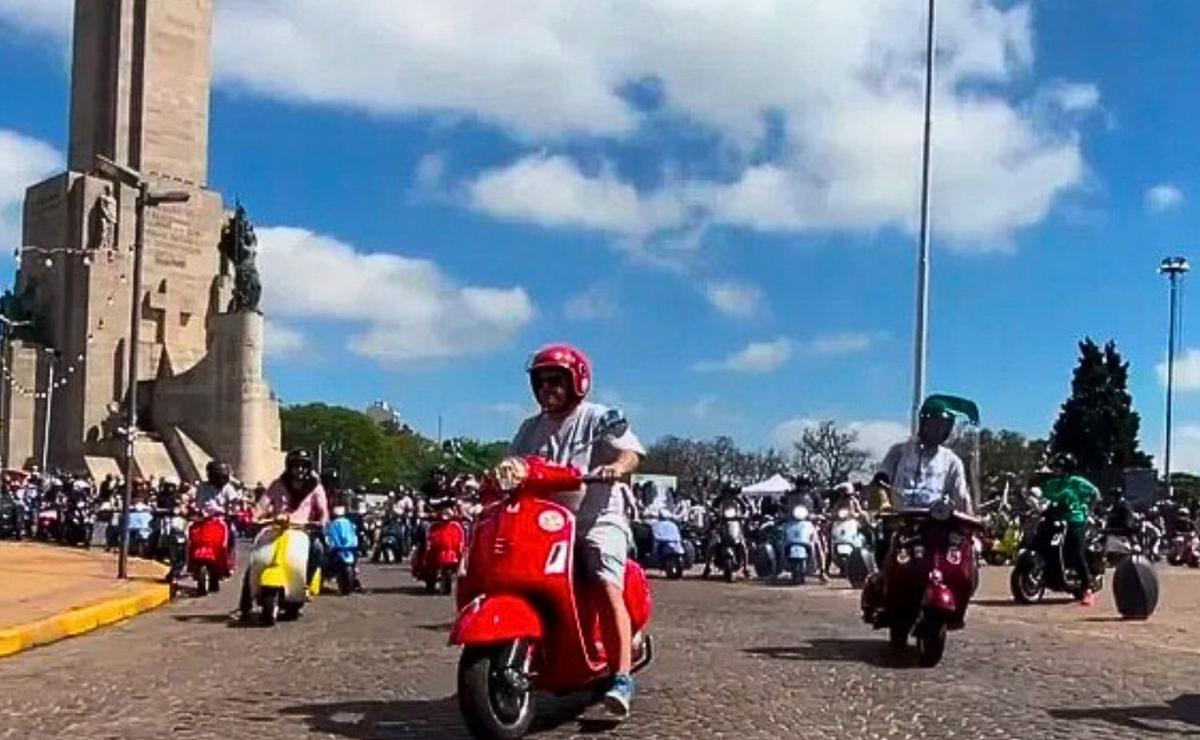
x=1007 y=456
x=1097 y=423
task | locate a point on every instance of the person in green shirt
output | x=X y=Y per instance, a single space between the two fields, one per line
x=1073 y=496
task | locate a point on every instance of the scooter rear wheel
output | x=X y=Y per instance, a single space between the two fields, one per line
x=269 y=602
x=446 y=583
x=490 y=707
x=202 y=582
x=344 y=582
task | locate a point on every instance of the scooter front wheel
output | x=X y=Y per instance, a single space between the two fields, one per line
x=931 y=645
x=496 y=700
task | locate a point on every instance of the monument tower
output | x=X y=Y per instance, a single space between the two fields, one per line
x=140 y=84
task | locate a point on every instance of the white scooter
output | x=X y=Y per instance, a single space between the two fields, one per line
x=278 y=564
x=850 y=548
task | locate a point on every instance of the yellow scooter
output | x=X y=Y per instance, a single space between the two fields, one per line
x=278 y=562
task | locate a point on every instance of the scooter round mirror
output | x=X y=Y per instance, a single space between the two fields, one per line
x=613 y=424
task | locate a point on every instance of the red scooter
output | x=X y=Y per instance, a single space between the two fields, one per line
x=928 y=579
x=525 y=621
x=209 y=558
x=437 y=563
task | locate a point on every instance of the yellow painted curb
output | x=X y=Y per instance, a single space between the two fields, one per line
x=82 y=619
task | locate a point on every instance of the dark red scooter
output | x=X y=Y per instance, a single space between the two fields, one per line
x=928 y=579
x=526 y=621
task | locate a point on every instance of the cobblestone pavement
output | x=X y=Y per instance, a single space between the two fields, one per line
x=739 y=661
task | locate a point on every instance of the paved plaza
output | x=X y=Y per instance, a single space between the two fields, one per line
x=741 y=660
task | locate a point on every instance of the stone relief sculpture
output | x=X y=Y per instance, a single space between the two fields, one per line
x=104 y=222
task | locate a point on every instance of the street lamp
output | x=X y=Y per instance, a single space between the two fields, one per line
x=922 y=323
x=1174 y=268
x=123 y=175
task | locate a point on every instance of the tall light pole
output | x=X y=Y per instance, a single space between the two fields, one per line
x=123 y=175
x=53 y=364
x=1174 y=268
x=922 y=328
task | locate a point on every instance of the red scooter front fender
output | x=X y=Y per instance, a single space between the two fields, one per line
x=489 y=620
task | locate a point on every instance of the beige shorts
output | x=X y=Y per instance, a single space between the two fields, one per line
x=604 y=549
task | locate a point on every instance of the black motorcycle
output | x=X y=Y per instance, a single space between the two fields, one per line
x=11 y=517
x=1043 y=562
x=730 y=555
x=392 y=547
x=77 y=525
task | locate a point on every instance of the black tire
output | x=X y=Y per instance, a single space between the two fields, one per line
x=798 y=574
x=1026 y=582
x=674 y=570
x=290 y=612
x=1173 y=559
x=728 y=571
x=931 y=645
x=376 y=556
x=487 y=712
x=446 y=583
x=214 y=581
x=268 y=602
x=344 y=582
x=202 y=582
x=1135 y=589
x=857 y=570
x=431 y=585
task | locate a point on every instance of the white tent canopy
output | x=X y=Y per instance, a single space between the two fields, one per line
x=773 y=486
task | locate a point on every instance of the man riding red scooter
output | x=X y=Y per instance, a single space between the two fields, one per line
x=929 y=572
x=528 y=614
x=441 y=540
x=211 y=538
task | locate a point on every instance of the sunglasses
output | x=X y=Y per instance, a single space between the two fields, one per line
x=550 y=378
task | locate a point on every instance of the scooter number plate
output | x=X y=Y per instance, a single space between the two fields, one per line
x=796 y=551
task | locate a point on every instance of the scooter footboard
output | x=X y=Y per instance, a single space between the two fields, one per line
x=488 y=620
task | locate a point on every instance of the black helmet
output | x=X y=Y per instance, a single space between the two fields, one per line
x=330 y=479
x=1064 y=462
x=217 y=469
x=298 y=462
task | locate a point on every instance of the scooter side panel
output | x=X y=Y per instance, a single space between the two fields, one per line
x=496 y=619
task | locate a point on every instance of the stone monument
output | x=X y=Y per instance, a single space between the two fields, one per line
x=140 y=86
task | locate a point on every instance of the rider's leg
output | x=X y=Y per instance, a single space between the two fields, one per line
x=1077 y=548
x=607 y=552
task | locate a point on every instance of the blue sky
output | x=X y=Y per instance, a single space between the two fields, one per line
x=719 y=205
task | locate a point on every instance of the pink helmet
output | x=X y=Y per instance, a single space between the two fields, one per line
x=568 y=358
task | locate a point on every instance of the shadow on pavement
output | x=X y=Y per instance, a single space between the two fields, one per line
x=1179 y=716
x=1013 y=603
x=416 y=590
x=427 y=718
x=443 y=627
x=873 y=652
x=224 y=619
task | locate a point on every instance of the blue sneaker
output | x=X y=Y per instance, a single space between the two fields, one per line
x=619 y=696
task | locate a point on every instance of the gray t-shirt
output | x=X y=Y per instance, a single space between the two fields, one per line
x=565 y=442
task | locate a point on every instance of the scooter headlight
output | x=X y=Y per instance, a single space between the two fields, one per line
x=902 y=556
x=843 y=513
x=511 y=473
x=729 y=512
x=800 y=513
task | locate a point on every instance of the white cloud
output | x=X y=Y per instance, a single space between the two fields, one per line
x=283 y=340
x=45 y=17
x=23 y=162
x=1185 y=449
x=838 y=345
x=876 y=436
x=756 y=357
x=511 y=410
x=1163 y=197
x=551 y=191
x=402 y=309
x=430 y=173
x=1187 y=371
x=733 y=298
x=844 y=81
x=594 y=303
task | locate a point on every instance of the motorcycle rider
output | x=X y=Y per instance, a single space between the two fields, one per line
x=215 y=496
x=730 y=495
x=1072 y=497
x=923 y=469
x=561 y=376
x=297 y=494
x=437 y=495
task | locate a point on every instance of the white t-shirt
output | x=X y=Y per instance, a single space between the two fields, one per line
x=566 y=441
x=920 y=478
